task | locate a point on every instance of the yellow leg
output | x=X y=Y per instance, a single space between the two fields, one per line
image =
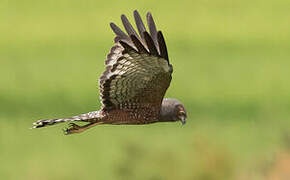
x=74 y=128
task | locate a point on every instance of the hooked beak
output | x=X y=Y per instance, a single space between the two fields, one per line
x=183 y=120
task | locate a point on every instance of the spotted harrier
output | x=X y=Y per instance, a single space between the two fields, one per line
x=134 y=83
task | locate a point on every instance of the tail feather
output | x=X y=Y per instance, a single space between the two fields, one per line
x=87 y=117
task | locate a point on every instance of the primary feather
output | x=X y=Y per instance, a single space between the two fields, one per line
x=134 y=82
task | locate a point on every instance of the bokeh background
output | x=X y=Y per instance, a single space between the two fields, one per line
x=231 y=70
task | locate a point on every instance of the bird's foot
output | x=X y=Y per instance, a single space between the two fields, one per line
x=72 y=129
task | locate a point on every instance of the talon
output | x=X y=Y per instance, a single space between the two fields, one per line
x=65 y=131
x=72 y=128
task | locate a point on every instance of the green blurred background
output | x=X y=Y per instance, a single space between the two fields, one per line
x=231 y=70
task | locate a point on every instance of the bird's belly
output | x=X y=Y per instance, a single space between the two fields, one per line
x=128 y=117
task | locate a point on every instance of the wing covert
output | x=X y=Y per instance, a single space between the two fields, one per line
x=137 y=68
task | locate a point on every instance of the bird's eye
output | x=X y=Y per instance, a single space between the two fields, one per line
x=182 y=113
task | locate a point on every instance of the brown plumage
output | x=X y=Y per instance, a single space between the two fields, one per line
x=134 y=83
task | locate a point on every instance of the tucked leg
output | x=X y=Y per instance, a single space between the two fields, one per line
x=74 y=128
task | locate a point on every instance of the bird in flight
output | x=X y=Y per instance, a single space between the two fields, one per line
x=134 y=83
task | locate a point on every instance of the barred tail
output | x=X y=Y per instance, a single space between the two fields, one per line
x=87 y=117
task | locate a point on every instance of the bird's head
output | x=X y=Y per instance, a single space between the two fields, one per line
x=173 y=110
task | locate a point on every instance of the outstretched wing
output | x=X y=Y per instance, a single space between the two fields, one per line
x=137 y=72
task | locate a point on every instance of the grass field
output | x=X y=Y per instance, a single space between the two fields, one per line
x=231 y=70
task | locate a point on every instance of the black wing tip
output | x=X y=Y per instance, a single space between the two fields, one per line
x=123 y=16
x=162 y=46
x=123 y=42
x=150 y=43
x=149 y=14
x=160 y=33
x=132 y=36
x=147 y=34
x=151 y=39
x=149 y=17
x=135 y=11
x=125 y=21
x=136 y=15
x=126 y=46
x=138 y=44
x=113 y=26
